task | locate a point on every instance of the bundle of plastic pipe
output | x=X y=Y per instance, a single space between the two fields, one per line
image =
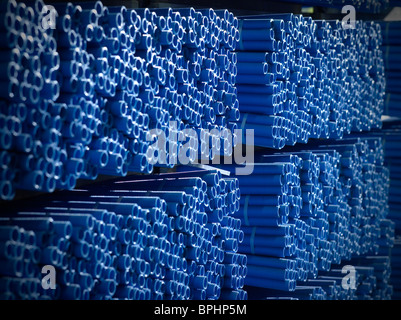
x=177 y=241
x=29 y=62
x=375 y=272
x=392 y=50
x=299 y=78
x=307 y=209
x=392 y=136
x=370 y=281
x=367 y=276
x=79 y=100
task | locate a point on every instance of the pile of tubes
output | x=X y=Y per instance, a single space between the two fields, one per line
x=91 y=92
x=300 y=78
x=176 y=241
x=371 y=275
x=391 y=134
x=80 y=95
x=392 y=53
x=309 y=209
x=371 y=272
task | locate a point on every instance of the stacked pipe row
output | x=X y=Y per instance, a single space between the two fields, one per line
x=391 y=50
x=392 y=136
x=180 y=62
x=79 y=100
x=327 y=286
x=300 y=78
x=216 y=200
x=370 y=273
x=20 y=255
x=309 y=209
x=177 y=241
x=26 y=77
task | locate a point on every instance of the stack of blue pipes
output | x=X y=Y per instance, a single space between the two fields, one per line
x=391 y=51
x=392 y=136
x=300 y=78
x=371 y=283
x=178 y=240
x=88 y=93
x=364 y=277
x=309 y=209
x=111 y=91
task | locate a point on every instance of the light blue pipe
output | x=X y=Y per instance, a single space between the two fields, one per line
x=34 y=223
x=288 y=285
x=12 y=233
x=257 y=34
x=268 y=78
x=257 y=99
x=268 y=273
x=50 y=255
x=259 y=89
x=63 y=229
x=82 y=220
x=8 y=250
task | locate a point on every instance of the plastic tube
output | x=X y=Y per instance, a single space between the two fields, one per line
x=9 y=233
